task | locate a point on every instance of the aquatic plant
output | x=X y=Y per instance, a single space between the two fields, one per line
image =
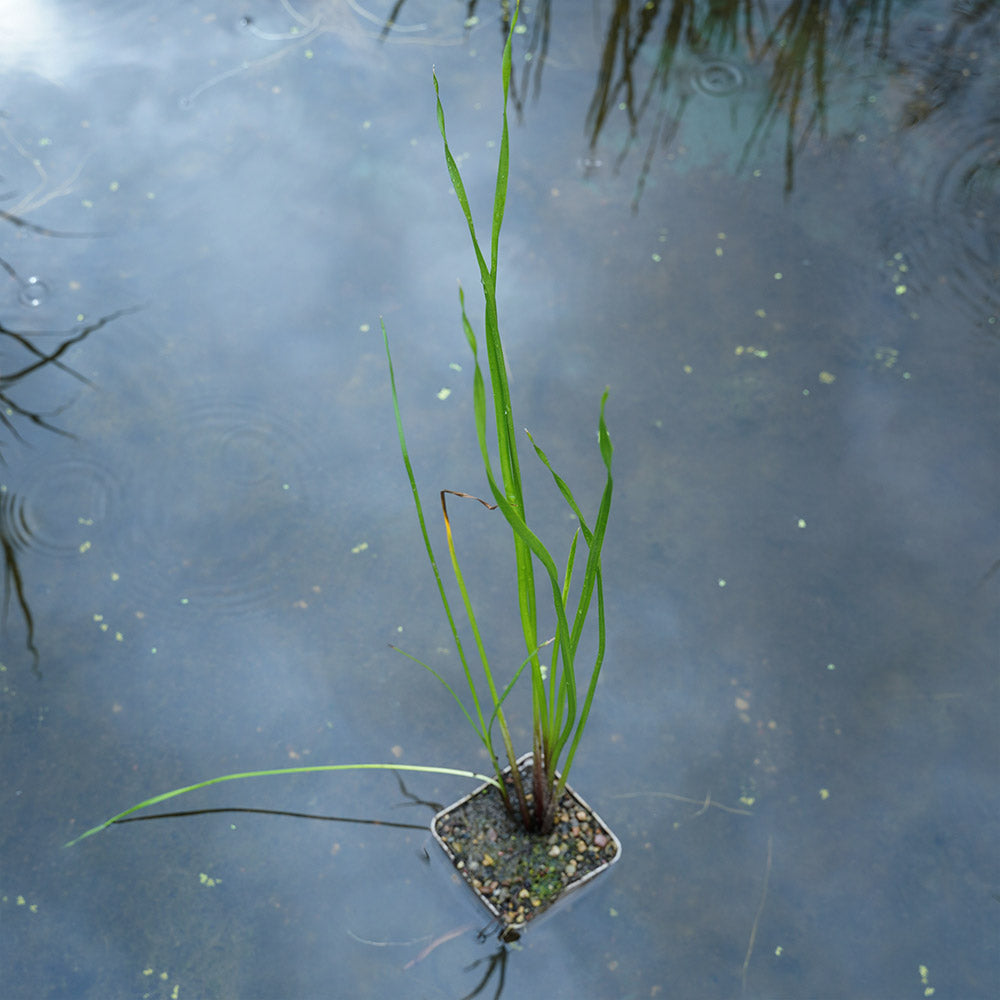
x=559 y=714
x=559 y=710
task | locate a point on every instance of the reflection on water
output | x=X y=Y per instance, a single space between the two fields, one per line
x=945 y=103
x=820 y=58
x=718 y=78
x=13 y=581
x=33 y=291
x=62 y=508
x=59 y=512
x=54 y=512
x=803 y=50
x=347 y=21
x=795 y=732
x=812 y=54
x=217 y=507
x=966 y=200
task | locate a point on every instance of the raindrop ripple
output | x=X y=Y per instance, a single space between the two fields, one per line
x=219 y=520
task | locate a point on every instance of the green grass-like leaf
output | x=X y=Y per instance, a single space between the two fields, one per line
x=558 y=716
x=156 y=799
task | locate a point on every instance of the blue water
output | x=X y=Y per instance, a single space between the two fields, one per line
x=796 y=311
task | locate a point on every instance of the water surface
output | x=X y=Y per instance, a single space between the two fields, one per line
x=770 y=230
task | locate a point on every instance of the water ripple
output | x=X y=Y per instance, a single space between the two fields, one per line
x=942 y=108
x=33 y=292
x=219 y=511
x=718 y=78
x=62 y=509
x=966 y=199
x=945 y=224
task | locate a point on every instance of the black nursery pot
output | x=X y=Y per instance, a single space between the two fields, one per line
x=519 y=875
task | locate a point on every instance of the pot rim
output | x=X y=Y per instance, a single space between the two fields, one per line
x=514 y=929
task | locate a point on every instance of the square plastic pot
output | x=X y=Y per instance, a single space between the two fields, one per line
x=518 y=875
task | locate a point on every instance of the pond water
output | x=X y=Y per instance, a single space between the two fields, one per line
x=771 y=229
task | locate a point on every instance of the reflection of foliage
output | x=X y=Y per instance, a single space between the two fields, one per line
x=540 y=21
x=973 y=27
x=797 y=45
x=536 y=23
x=13 y=412
x=45 y=191
x=12 y=579
x=10 y=413
x=626 y=40
x=496 y=964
